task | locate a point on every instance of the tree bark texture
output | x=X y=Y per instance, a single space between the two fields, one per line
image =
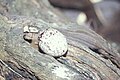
x=89 y=56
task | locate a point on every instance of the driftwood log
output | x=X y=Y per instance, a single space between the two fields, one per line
x=89 y=56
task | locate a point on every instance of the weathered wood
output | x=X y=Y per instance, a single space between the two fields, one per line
x=89 y=56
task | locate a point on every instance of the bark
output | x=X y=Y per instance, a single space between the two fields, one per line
x=89 y=56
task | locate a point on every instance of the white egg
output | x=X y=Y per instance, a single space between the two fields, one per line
x=52 y=42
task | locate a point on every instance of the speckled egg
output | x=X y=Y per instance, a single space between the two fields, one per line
x=52 y=42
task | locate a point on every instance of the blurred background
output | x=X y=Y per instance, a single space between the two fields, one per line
x=102 y=16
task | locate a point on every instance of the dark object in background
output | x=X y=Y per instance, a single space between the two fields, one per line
x=82 y=5
x=71 y=4
x=105 y=15
x=109 y=16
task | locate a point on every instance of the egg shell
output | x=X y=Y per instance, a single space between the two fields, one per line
x=52 y=42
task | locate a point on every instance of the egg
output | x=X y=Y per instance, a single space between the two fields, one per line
x=52 y=42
